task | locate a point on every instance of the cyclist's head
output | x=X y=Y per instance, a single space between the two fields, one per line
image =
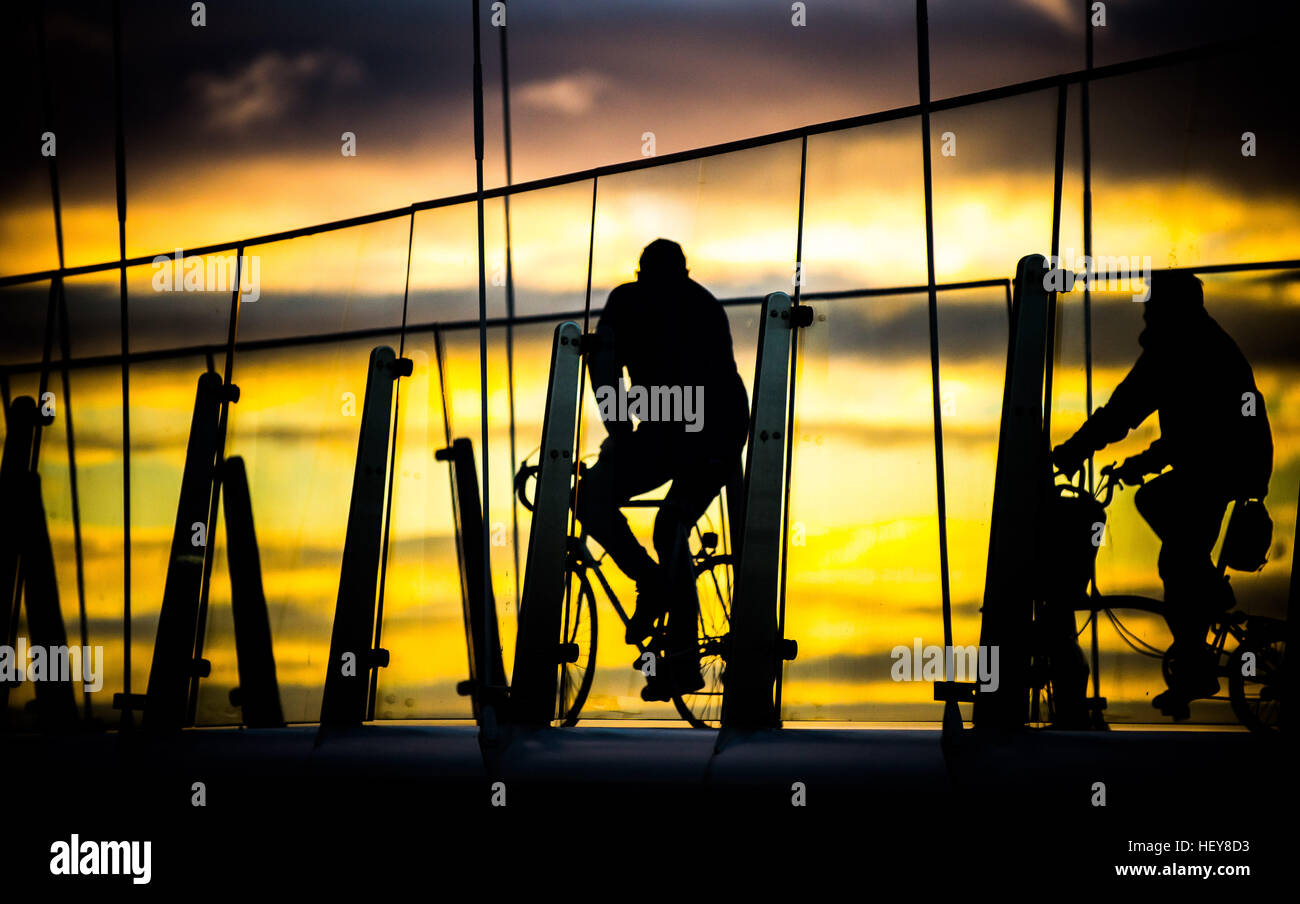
x=1176 y=296
x=662 y=261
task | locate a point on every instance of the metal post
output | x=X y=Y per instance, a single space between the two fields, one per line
x=20 y=423
x=1288 y=658
x=789 y=418
x=56 y=702
x=754 y=657
x=258 y=694
x=229 y=395
x=479 y=604
x=1013 y=533
x=946 y=690
x=124 y=330
x=537 y=650
x=351 y=655
x=173 y=666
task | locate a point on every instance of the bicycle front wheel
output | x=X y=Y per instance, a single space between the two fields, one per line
x=579 y=638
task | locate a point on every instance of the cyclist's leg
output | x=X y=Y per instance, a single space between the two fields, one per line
x=693 y=490
x=626 y=468
x=1186 y=516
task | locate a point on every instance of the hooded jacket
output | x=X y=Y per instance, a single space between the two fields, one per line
x=1212 y=417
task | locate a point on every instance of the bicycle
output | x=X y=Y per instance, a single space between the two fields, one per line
x=1253 y=668
x=714 y=583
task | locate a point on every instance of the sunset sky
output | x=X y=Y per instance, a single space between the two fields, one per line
x=233 y=130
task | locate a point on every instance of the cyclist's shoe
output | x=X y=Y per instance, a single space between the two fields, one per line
x=657 y=690
x=1205 y=685
x=651 y=604
x=662 y=689
x=688 y=683
x=1172 y=703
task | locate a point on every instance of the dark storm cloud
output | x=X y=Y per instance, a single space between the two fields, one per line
x=269 y=79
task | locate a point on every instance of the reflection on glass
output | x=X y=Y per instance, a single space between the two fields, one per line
x=1216 y=205
x=863 y=567
x=1028 y=40
x=993 y=167
x=973 y=330
x=864 y=209
x=734 y=215
x=1139 y=28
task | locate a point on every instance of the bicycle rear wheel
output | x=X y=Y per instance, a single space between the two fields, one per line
x=1257 y=697
x=702 y=708
x=579 y=627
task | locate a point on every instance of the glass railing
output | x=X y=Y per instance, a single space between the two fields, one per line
x=863 y=565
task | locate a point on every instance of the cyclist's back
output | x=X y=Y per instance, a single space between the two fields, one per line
x=672 y=333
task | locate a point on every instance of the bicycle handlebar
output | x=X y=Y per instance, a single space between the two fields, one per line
x=521 y=484
x=1106 y=489
x=1108 y=482
x=526 y=473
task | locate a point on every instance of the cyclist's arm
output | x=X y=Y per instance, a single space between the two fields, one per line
x=606 y=370
x=1155 y=456
x=1151 y=460
x=1132 y=402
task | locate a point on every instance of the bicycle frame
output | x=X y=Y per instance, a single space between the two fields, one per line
x=583 y=562
x=582 y=559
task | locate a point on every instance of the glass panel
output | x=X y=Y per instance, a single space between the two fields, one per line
x=444 y=264
x=973 y=331
x=93 y=405
x=993 y=168
x=351 y=279
x=1185 y=195
x=89 y=402
x=27 y=219
x=551 y=239
x=23 y=310
x=162 y=393
x=423 y=620
x=863 y=568
x=864 y=209
x=296 y=426
x=734 y=215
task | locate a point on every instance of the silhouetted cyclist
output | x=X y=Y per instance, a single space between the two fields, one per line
x=673 y=337
x=1214 y=437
